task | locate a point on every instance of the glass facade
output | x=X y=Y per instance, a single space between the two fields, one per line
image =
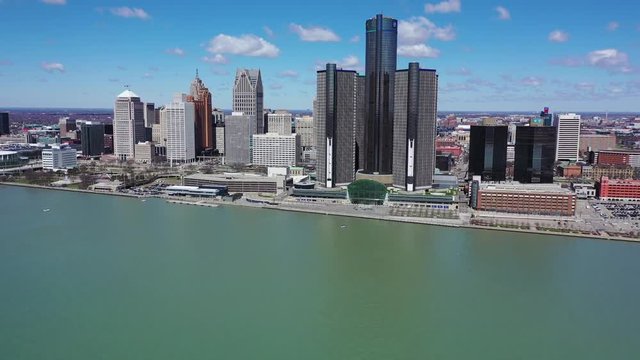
x=380 y=68
x=535 y=152
x=488 y=152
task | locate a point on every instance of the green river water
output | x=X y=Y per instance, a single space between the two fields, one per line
x=101 y=277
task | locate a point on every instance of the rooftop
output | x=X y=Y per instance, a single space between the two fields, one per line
x=128 y=94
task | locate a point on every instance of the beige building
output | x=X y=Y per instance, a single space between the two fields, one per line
x=610 y=171
x=304 y=128
x=597 y=142
x=145 y=152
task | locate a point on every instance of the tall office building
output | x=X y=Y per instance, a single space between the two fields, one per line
x=488 y=152
x=380 y=69
x=238 y=129
x=59 y=157
x=92 y=138
x=248 y=97
x=335 y=126
x=304 y=128
x=414 y=127
x=535 y=151
x=568 y=146
x=128 y=125
x=149 y=114
x=361 y=118
x=66 y=125
x=201 y=98
x=547 y=118
x=279 y=123
x=4 y=123
x=179 y=129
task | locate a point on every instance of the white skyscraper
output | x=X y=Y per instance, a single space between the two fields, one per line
x=568 y=145
x=248 y=97
x=178 y=129
x=128 y=124
x=279 y=123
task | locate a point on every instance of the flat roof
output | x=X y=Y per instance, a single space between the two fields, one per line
x=526 y=188
x=234 y=177
x=5 y=153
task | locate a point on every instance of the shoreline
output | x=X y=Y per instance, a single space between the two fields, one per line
x=396 y=219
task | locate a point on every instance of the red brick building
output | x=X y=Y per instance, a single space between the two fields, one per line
x=539 y=199
x=456 y=151
x=619 y=190
x=619 y=157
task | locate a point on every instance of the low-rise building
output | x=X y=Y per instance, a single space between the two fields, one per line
x=618 y=157
x=571 y=171
x=238 y=183
x=597 y=142
x=610 y=171
x=531 y=199
x=59 y=157
x=584 y=191
x=619 y=190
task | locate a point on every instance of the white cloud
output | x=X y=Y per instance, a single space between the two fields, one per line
x=418 y=51
x=289 y=74
x=610 y=59
x=350 y=62
x=463 y=71
x=446 y=6
x=267 y=30
x=215 y=59
x=355 y=39
x=175 y=51
x=584 y=86
x=419 y=29
x=613 y=26
x=52 y=67
x=314 y=33
x=247 y=45
x=503 y=13
x=558 y=36
x=532 y=81
x=128 y=12
x=55 y=2
x=147 y=76
x=275 y=86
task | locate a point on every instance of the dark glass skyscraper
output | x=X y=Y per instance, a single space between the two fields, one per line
x=92 y=139
x=380 y=68
x=335 y=126
x=4 y=124
x=488 y=152
x=535 y=154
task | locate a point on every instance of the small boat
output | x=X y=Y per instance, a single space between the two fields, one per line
x=143 y=200
x=46 y=210
x=343 y=226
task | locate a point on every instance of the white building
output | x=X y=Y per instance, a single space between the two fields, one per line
x=177 y=122
x=59 y=157
x=304 y=128
x=272 y=149
x=128 y=125
x=568 y=145
x=279 y=123
x=145 y=152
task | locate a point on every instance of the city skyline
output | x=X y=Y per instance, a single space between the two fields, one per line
x=71 y=54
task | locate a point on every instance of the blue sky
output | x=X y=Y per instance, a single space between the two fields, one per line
x=571 y=55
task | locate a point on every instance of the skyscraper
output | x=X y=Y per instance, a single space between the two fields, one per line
x=248 y=97
x=334 y=124
x=4 y=123
x=546 y=116
x=128 y=124
x=149 y=114
x=66 y=125
x=179 y=117
x=488 y=152
x=568 y=147
x=201 y=98
x=279 y=122
x=414 y=127
x=361 y=118
x=535 y=151
x=92 y=138
x=238 y=129
x=380 y=69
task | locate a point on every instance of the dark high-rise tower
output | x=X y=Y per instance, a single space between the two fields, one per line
x=535 y=154
x=335 y=126
x=380 y=69
x=201 y=98
x=488 y=152
x=414 y=127
x=4 y=124
x=92 y=136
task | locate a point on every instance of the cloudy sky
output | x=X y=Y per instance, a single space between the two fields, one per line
x=571 y=55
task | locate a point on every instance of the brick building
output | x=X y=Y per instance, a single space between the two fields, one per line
x=532 y=199
x=619 y=190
